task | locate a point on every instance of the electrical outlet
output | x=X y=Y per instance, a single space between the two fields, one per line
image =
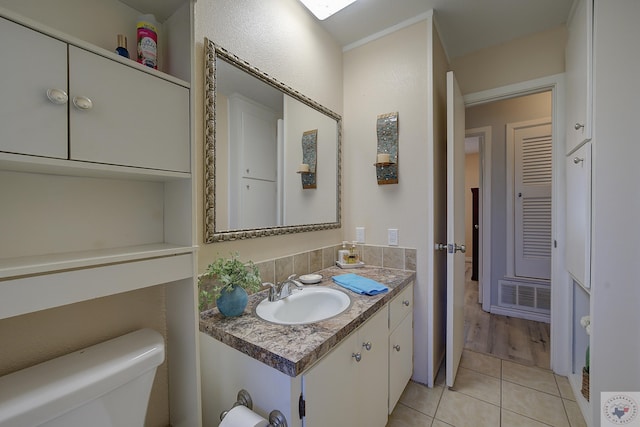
x=360 y=234
x=393 y=236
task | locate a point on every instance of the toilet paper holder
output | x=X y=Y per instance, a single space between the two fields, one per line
x=276 y=418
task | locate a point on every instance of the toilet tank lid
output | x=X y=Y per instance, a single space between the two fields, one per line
x=81 y=376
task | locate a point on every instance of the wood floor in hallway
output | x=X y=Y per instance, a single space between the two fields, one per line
x=509 y=338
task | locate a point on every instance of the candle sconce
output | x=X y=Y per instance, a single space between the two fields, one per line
x=307 y=169
x=387 y=153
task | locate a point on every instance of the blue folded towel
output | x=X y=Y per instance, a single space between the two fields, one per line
x=360 y=285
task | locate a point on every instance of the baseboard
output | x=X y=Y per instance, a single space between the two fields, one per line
x=521 y=314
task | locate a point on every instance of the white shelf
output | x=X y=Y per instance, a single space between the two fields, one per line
x=51 y=166
x=42 y=264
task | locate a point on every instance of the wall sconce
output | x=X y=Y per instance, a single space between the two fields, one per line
x=387 y=153
x=307 y=168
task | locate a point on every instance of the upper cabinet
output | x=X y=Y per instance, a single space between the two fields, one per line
x=579 y=70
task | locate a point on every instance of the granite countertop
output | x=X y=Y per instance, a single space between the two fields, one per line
x=294 y=348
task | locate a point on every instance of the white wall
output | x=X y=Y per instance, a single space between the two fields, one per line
x=615 y=291
x=394 y=74
x=282 y=39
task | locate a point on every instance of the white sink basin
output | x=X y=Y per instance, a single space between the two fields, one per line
x=307 y=305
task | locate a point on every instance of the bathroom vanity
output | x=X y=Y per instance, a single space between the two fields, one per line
x=346 y=370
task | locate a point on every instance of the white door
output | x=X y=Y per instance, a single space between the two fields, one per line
x=455 y=227
x=531 y=143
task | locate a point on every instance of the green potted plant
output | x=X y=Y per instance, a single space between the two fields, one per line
x=231 y=280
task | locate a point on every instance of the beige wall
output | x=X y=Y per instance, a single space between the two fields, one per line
x=527 y=58
x=392 y=74
x=282 y=39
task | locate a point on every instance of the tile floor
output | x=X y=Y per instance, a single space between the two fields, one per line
x=490 y=392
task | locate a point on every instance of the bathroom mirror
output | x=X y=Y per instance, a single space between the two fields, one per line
x=253 y=149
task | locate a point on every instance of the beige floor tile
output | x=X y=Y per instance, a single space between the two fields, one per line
x=529 y=376
x=478 y=385
x=511 y=419
x=404 y=416
x=421 y=398
x=534 y=404
x=566 y=392
x=573 y=412
x=438 y=423
x=483 y=363
x=441 y=378
x=461 y=410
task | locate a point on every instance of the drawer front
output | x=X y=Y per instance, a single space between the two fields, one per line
x=400 y=306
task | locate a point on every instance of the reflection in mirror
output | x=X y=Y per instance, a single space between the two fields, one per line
x=254 y=127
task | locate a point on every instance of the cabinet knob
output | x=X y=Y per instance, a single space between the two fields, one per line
x=367 y=346
x=397 y=347
x=577 y=160
x=82 y=103
x=406 y=303
x=578 y=126
x=357 y=356
x=57 y=96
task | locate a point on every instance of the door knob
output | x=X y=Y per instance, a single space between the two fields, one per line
x=476 y=226
x=366 y=345
x=357 y=356
x=578 y=126
x=57 y=96
x=82 y=103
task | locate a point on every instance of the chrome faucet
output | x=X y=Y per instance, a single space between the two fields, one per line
x=283 y=289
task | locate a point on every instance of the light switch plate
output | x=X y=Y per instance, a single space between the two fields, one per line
x=393 y=236
x=360 y=234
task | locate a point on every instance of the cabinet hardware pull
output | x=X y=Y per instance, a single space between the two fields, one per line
x=367 y=346
x=406 y=303
x=357 y=356
x=577 y=160
x=82 y=103
x=397 y=347
x=578 y=126
x=57 y=96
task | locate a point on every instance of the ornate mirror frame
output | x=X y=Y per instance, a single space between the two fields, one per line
x=212 y=52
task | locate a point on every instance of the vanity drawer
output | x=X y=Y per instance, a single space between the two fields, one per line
x=400 y=306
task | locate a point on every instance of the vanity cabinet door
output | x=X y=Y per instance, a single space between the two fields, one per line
x=578 y=223
x=372 y=378
x=122 y=116
x=400 y=360
x=31 y=65
x=578 y=67
x=349 y=386
x=330 y=388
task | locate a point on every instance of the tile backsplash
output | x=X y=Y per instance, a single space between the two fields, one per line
x=279 y=269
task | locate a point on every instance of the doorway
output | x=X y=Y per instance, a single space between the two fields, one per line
x=493 y=264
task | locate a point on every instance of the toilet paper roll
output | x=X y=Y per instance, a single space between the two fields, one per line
x=241 y=416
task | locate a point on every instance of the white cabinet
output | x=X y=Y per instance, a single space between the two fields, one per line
x=400 y=344
x=118 y=114
x=578 y=222
x=29 y=122
x=349 y=386
x=136 y=119
x=578 y=68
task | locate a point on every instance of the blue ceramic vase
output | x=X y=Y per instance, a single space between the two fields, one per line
x=232 y=303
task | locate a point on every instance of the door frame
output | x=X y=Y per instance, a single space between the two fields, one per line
x=560 y=345
x=484 y=256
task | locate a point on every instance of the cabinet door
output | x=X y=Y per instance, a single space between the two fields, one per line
x=400 y=360
x=329 y=388
x=578 y=67
x=135 y=119
x=578 y=248
x=373 y=385
x=32 y=63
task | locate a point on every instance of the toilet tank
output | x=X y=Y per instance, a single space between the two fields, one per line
x=105 y=385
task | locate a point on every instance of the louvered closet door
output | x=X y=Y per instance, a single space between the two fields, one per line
x=532 y=207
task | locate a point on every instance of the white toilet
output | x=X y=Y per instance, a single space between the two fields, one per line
x=105 y=385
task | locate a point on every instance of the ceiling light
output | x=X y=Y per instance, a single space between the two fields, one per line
x=323 y=9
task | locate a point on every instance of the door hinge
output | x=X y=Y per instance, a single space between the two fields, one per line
x=555 y=243
x=301 y=407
